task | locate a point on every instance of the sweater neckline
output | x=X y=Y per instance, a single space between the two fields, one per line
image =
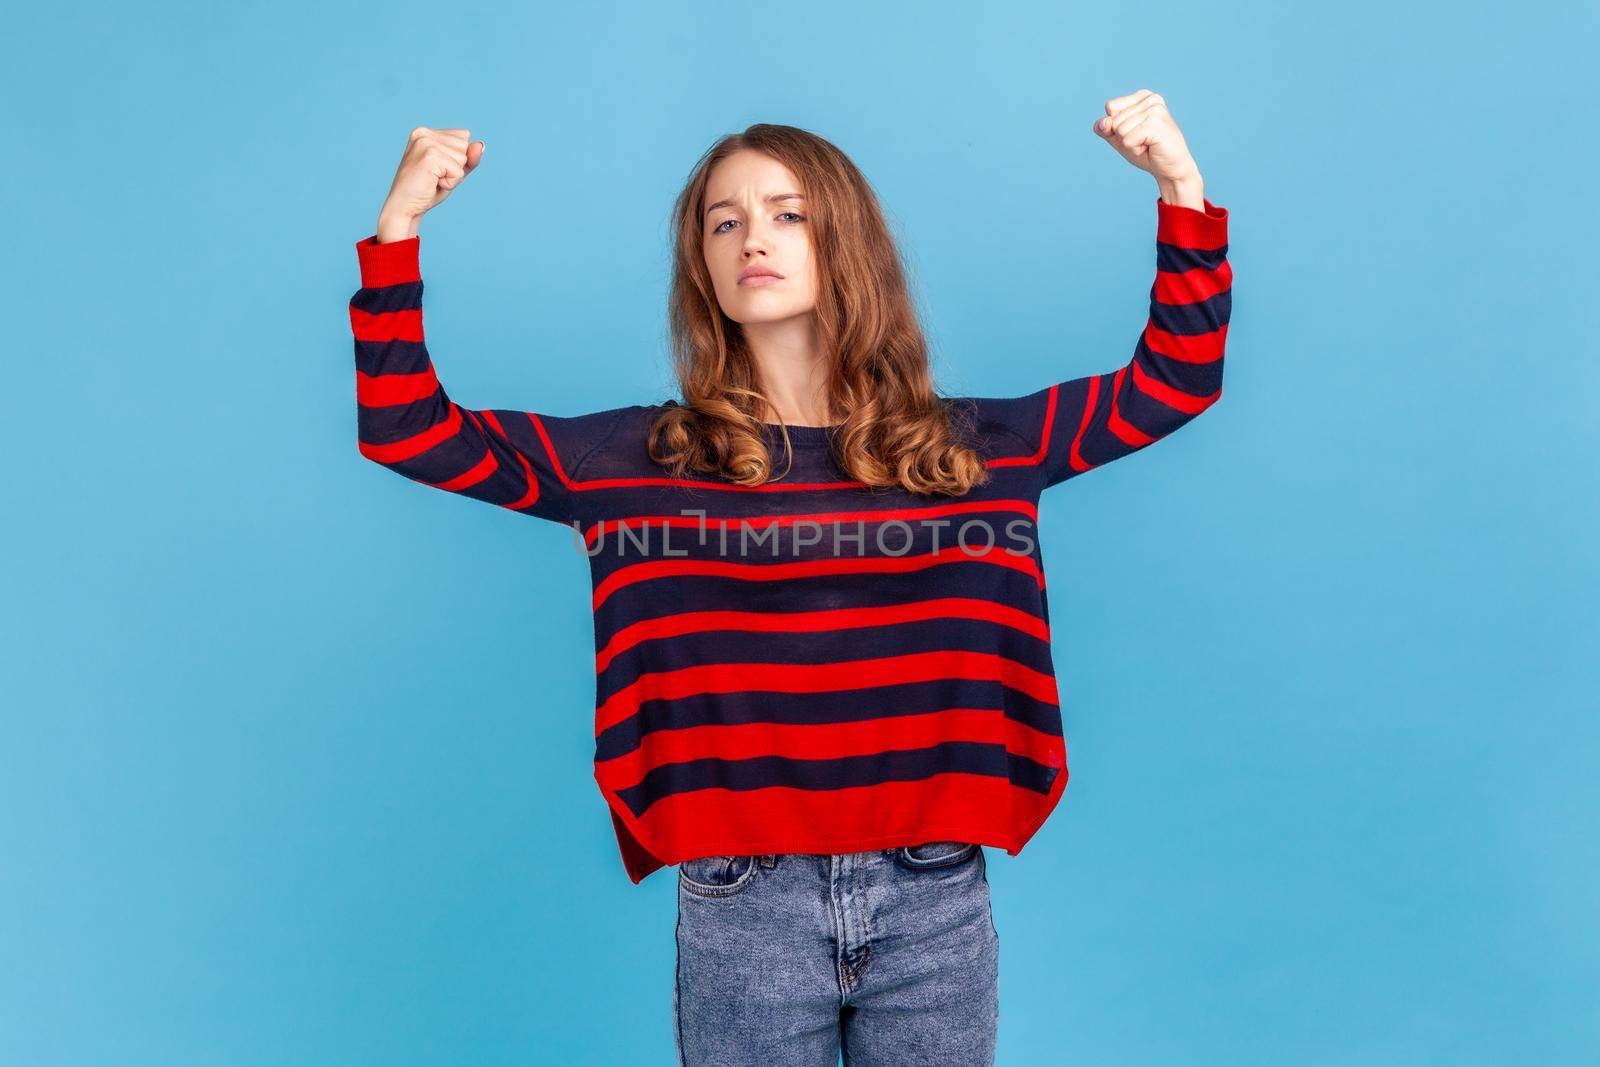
x=802 y=436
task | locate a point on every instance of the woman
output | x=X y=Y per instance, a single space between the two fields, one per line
x=820 y=690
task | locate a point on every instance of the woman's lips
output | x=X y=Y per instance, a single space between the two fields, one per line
x=760 y=279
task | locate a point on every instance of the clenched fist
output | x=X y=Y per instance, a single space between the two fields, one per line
x=434 y=163
x=1142 y=131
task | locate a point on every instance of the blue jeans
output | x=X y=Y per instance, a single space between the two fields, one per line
x=888 y=957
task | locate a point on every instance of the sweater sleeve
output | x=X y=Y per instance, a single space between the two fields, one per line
x=405 y=421
x=1077 y=425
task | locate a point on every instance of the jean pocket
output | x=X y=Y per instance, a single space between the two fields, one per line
x=716 y=876
x=937 y=854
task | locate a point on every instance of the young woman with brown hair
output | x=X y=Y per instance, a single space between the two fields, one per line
x=820 y=689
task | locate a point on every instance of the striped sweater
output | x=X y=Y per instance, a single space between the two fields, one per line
x=810 y=665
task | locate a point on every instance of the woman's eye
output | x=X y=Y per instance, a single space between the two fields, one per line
x=718 y=227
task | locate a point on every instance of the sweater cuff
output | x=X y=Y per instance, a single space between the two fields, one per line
x=391 y=263
x=1189 y=227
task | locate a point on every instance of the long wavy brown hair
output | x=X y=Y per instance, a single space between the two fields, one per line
x=895 y=430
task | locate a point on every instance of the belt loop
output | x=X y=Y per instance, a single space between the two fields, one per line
x=769 y=860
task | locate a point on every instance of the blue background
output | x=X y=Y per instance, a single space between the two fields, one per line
x=295 y=754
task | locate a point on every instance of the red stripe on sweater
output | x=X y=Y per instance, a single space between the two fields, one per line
x=954 y=806
x=1074 y=456
x=1125 y=430
x=387 y=390
x=1204 y=228
x=390 y=263
x=386 y=325
x=416 y=444
x=479 y=471
x=828 y=740
x=688 y=622
x=532 y=495
x=782 y=572
x=822 y=678
x=1169 y=396
x=1187 y=347
x=1036 y=457
x=756 y=522
x=1192 y=286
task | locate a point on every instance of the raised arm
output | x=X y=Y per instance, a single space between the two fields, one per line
x=1077 y=425
x=520 y=460
x=405 y=421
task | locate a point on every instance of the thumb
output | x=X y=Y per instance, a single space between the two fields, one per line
x=474 y=158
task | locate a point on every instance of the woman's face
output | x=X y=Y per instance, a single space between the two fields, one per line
x=756 y=219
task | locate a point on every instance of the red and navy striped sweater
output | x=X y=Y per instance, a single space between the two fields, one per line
x=811 y=665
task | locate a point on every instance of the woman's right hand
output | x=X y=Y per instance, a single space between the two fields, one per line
x=434 y=163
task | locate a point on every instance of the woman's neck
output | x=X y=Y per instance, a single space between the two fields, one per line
x=794 y=376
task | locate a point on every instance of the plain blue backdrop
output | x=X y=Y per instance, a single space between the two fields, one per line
x=295 y=754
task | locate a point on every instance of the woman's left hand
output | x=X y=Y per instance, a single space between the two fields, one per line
x=1142 y=131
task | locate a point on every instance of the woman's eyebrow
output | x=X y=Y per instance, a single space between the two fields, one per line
x=772 y=199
